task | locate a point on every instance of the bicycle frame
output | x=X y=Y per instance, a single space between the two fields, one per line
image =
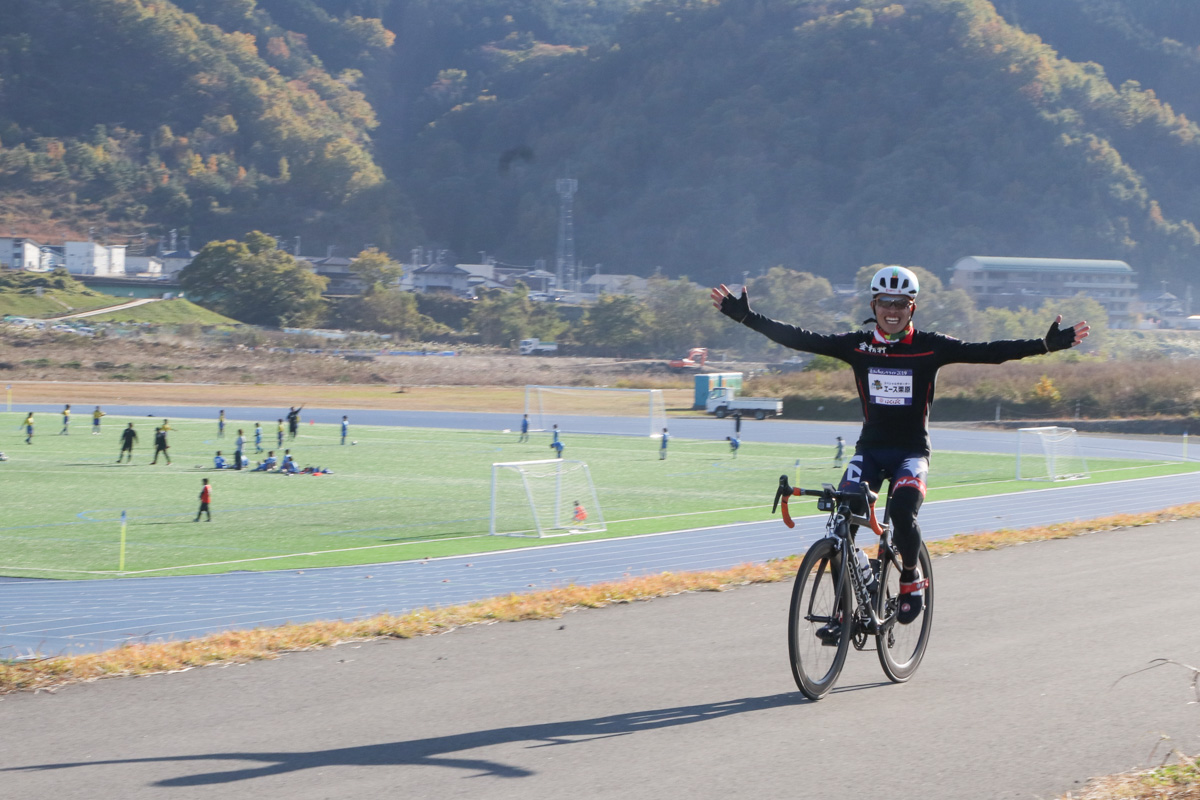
x=838 y=527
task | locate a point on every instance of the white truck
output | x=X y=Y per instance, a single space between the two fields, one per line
x=724 y=401
x=536 y=347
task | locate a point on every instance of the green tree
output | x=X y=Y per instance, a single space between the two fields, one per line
x=681 y=316
x=390 y=310
x=503 y=318
x=618 y=325
x=253 y=281
x=376 y=269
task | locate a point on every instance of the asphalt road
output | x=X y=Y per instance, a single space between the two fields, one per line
x=689 y=696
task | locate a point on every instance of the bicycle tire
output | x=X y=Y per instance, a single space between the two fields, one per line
x=818 y=596
x=901 y=647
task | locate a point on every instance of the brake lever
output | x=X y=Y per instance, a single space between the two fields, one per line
x=784 y=492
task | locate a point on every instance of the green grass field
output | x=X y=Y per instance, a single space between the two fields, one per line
x=52 y=302
x=168 y=312
x=400 y=493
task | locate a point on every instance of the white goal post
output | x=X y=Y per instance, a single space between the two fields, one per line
x=551 y=497
x=1049 y=454
x=596 y=409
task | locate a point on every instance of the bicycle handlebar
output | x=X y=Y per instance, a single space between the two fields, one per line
x=786 y=491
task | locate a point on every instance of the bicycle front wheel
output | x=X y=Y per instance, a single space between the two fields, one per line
x=820 y=622
x=901 y=647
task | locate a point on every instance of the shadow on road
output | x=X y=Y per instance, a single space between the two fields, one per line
x=435 y=752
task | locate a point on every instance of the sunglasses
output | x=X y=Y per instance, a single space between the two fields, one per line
x=893 y=302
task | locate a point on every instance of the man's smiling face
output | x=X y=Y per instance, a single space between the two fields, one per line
x=892 y=312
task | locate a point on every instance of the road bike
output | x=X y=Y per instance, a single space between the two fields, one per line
x=841 y=597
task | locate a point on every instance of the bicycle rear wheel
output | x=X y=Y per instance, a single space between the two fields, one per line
x=901 y=647
x=821 y=597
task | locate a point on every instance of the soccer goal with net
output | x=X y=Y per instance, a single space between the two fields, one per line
x=1049 y=454
x=595 y=409
x=552 y=497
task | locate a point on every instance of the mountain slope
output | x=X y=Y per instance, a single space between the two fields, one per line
x=721 y=136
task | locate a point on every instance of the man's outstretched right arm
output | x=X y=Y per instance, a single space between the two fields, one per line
x=737 y=308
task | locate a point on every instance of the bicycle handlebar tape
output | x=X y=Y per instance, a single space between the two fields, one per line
x=1059 y=339
x=736 y=308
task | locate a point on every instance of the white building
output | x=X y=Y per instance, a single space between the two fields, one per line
x=18 y=252
x=144 y=266
x=89 y=258
x=1028 y=282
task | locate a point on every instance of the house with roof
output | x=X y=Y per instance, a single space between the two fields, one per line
x=457 y=279
x=174 y=261
x=615 y=284
x=337 y=269
x=1010 y=282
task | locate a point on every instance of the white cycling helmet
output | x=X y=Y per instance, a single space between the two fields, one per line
x=895 y=280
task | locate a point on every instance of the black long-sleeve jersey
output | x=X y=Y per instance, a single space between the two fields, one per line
x=895 y=379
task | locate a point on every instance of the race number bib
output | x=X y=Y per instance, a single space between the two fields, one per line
x=890 y=387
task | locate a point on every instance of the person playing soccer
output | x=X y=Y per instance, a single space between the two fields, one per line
x=221 y=424
x=293 y=418
x=279 y=434
x=580 y=514
x=895 y=369
x=66 y=414
x=29 y=428
x=557 y=446
x=205 y=500
x=128 y=437
x=524 y=437
x=258 y=448
x=161 y=446
x=239 y=445
x=840 y=454
x=734 y=444
x=662 y=448
x=345 y=427
x=96 y=415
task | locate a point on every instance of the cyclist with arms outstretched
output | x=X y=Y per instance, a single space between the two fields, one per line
x=895 y=371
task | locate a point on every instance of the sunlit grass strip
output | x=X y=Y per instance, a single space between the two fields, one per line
x=1173 y=782
x=234 y=647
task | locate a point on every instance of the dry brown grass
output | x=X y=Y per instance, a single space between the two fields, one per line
x=247 y=376
x=1172 y=782
x=265 y=643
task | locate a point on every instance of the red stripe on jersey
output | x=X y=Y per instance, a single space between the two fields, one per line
x=912 y=482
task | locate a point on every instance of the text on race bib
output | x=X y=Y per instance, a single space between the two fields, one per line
x=890 y=387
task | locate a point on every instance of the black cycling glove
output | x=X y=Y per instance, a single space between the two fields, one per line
x=736 y=308
x=1058 y=339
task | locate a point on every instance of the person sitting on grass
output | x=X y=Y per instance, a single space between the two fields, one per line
x=267 y=464
x=219 y=461
x=288 y=467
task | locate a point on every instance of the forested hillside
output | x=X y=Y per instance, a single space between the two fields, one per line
x=130 y=113
x=716 y=137
x=709 y=137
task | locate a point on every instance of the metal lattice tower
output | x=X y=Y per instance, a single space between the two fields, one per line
x=566 y=234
